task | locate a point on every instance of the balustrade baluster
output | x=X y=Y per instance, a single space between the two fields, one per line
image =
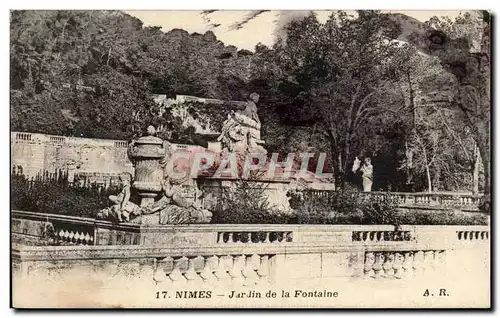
x=266 y=239
x=236 y=270
x=222 y=267
x=263 y=270
x=248 y=271
x=373 y=236
x=176 y=274
x=159 y=275
x=206 y=273
x=379 y=235
x=418 y=262
x=440 y=260
x=408 y=264
x=388 y=264
x=377 y=266
x=190 y=273
x=369 y=261
x=397 y=266
x=429 y=261
x=220 y=237
x=86 y=238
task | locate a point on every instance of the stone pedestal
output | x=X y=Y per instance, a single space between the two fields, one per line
x=275 y=191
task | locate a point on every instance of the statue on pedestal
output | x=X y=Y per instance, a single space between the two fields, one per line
x=150 y=156
x=241 y=131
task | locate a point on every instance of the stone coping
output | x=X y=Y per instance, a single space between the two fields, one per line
x=239 y=227
x=256 y=180
x=467 y=195
x=22 y=252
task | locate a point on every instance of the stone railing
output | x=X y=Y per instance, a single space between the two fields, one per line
x=248 y=263
x=67 y=230
x=404 y=263
x=420 y=199
x=60 y=229
x=228 y=257
x=54 y=229
x=434 y=199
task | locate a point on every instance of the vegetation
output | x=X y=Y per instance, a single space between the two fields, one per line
x=247 y=204
x=55 y=195
x=420 y=109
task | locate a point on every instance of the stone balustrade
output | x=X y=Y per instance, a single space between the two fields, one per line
x=419 y=199
x=247 y=254
x=473 y=235
x=402 y=264
x=34 y=227
x=379 y=236
x=251 y=264
x=230 y=237
x=58 y=229
x=232 y=257
x=237 y=269
x=432 y=199
x=55 y=229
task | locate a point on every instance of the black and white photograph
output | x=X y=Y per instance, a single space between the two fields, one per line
x=250 y=159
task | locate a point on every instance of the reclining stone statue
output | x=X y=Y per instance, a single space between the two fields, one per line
x=122 y=209
x=175 y=208
x=172 y=208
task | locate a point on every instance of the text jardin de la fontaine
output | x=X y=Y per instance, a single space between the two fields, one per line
x=206 y=294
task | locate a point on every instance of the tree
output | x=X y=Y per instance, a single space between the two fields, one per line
x=424 y=86
x=90 y=72
x=464 y=49
x=336 y=73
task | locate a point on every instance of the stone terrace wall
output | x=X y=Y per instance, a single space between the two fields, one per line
x=369 y=259
x=35 y=153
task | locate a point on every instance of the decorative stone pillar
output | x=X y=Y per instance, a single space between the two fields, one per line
x=146 y=153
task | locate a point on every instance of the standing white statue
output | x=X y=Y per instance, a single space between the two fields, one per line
x=366 y=172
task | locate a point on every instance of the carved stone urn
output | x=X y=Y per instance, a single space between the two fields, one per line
x=145 y=153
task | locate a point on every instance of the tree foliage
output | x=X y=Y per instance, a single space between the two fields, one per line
x=343 y=87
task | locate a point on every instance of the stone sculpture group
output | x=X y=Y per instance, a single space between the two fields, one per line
x=162 y=197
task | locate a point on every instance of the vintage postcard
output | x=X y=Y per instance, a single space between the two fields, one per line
x=250 y=159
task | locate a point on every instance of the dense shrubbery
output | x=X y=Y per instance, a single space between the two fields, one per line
x=245 y=203
x=57 y=196
x=344 y=207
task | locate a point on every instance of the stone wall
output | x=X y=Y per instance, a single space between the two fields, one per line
x=34 y=153
x=221 y=258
